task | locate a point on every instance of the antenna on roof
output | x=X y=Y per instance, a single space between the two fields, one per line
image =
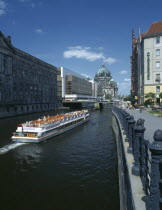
x=132 y=34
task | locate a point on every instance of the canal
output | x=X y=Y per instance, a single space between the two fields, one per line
x=76 y=170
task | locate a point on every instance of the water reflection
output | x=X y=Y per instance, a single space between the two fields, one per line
x=76 y=170
x=28 y=156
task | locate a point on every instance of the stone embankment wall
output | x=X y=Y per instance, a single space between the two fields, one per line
x=14 y=110
x=130 y=187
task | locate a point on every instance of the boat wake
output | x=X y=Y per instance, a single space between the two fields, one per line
x=9 y=147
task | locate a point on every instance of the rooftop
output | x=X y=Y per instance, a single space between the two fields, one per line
x=155 y=28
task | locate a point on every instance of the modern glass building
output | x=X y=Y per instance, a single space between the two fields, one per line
x=72 y=85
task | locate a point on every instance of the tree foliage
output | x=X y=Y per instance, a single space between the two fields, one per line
x=150 y=95
x=160 y=95
x=130 y=98
x=148 y=102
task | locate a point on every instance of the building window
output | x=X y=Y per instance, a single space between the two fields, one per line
x=157 y=78
x=158 y=89
x=158 y=52
x=157 y=64
x=158 y=40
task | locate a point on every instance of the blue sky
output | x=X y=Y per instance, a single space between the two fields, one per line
x=79 y=34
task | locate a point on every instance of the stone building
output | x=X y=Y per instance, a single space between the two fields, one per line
x=27 y=84
x=146 y=63
x=104 y=78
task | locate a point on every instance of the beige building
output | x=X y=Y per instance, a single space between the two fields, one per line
x=147 y=63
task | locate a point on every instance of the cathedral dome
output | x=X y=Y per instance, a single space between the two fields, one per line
x=103 y=72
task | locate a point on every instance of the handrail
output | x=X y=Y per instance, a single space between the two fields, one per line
x=147 y=157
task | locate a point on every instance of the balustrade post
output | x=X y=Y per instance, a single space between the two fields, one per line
x=155 y=202
x=126 y=122
x=122 y=119
x=131 y=123
x=139 y=130
x=125 y=114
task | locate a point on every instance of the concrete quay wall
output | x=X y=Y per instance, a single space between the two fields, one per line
x=130 y=187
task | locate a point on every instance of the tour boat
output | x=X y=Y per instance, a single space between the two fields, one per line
x=50 y=126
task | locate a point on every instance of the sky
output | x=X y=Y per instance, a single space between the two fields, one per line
x=80 y=34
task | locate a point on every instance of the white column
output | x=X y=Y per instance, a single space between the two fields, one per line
x=63 y=86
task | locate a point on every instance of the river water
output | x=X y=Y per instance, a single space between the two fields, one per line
x=76 y=170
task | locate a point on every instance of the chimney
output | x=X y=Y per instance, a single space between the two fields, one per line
x=9 y=39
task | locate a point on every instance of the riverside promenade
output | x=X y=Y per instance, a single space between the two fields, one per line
x=152 y=123
x=139 y=158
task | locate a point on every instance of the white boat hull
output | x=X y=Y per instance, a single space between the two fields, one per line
x=37 y=140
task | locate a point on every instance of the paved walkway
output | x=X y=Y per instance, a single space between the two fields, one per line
x=152 y=123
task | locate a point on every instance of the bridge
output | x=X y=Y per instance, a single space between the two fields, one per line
x=88 y=103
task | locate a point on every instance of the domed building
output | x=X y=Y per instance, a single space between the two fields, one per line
x=104 y=78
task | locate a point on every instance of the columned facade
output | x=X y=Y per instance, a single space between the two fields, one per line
x=27 y=84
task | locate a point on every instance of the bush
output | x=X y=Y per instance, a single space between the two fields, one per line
x=148 y=102
x=150 y=95
x=160 y=95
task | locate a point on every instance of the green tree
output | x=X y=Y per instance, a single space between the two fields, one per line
x=129 y=98
x=150 y=96
x=148 y=102
x=160 y=95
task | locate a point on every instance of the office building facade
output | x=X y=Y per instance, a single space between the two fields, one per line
x=27 y=84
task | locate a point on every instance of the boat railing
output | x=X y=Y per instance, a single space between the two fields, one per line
x=58 y=118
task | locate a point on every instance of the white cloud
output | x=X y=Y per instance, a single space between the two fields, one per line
x=38 y=30
x=110 y=60
x=127 y=80
x=123 y=72
x=3 y=6
x=82 y=52
x=87 y=53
